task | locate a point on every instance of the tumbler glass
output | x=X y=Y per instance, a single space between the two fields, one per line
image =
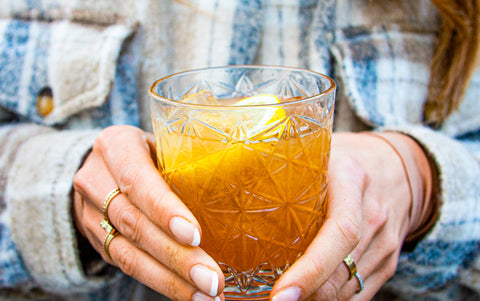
x=246 y=148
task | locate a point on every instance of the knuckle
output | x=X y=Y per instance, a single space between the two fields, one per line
x=130 y=223
x=78 y=180
x=129 y=174
x=392 y=243
x=353 y=169
x=316 y=265
x=350 y=231
x=128 y=261
x=104 y=137
x=360 y=173
x=81 y=180
x=161 y=208
x=174 y=257
x=329 y=291
x=378 y=216
x=171 y=289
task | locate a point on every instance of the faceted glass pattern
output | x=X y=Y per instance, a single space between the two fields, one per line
x=257 y=188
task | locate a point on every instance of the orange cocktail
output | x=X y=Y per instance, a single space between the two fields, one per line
x=252 y=169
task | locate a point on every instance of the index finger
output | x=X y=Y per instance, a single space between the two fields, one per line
x=127 y=154
x=337 y=237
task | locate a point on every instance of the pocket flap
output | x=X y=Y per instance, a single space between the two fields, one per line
x=76 y=62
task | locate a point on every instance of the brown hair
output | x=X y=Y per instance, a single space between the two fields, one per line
x=455 y=59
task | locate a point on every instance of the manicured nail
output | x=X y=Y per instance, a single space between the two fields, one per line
x=205 y=279
x=184 y=231
x=199 y=296
x=289 y=294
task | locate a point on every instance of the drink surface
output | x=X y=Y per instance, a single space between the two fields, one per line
x=259 y=199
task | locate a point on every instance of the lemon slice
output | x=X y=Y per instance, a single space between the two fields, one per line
x=264 y=115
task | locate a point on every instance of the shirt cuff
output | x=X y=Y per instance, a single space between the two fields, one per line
x=38 y=196
x=448 y=246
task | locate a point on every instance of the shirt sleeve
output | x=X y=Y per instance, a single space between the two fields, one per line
x=13 y=271
x=38 y=235
x=446 y=259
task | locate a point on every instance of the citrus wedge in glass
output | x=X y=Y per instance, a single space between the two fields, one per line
x=265 y=115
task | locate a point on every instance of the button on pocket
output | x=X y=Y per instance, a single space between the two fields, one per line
x=45 y=102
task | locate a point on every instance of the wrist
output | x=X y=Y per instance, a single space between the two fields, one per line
x=419 y=172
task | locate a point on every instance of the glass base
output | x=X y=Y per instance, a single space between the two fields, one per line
x=254 y=284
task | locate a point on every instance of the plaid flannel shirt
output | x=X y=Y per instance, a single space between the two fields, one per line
x=379 y=54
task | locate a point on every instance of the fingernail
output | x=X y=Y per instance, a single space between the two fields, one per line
x=184 y=231
x=289 y=294
x=205 y=279
x=199 y=296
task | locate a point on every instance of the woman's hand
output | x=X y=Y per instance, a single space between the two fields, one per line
x=158 y=236
x=368 y=217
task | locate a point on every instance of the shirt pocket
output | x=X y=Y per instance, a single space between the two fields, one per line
x=384 y=74
x=50 y=71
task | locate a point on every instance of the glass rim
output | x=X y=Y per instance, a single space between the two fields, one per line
x=157 y=97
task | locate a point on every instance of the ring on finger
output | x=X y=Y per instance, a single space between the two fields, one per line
x=111 y=233
x=106 y=244
x=107 y=201
x=360 y=282
x=352 y=267
x=108 y=227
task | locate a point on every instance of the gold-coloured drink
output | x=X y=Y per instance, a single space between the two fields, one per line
x=247 y=149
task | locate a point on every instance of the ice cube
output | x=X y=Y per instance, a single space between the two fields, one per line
x=204 y=97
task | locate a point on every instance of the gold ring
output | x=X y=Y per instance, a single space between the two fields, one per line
x=352 y=267
x=111 y=233
x=107 y=227
x=360 y=282
x=107 y=201
x=106 y=244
